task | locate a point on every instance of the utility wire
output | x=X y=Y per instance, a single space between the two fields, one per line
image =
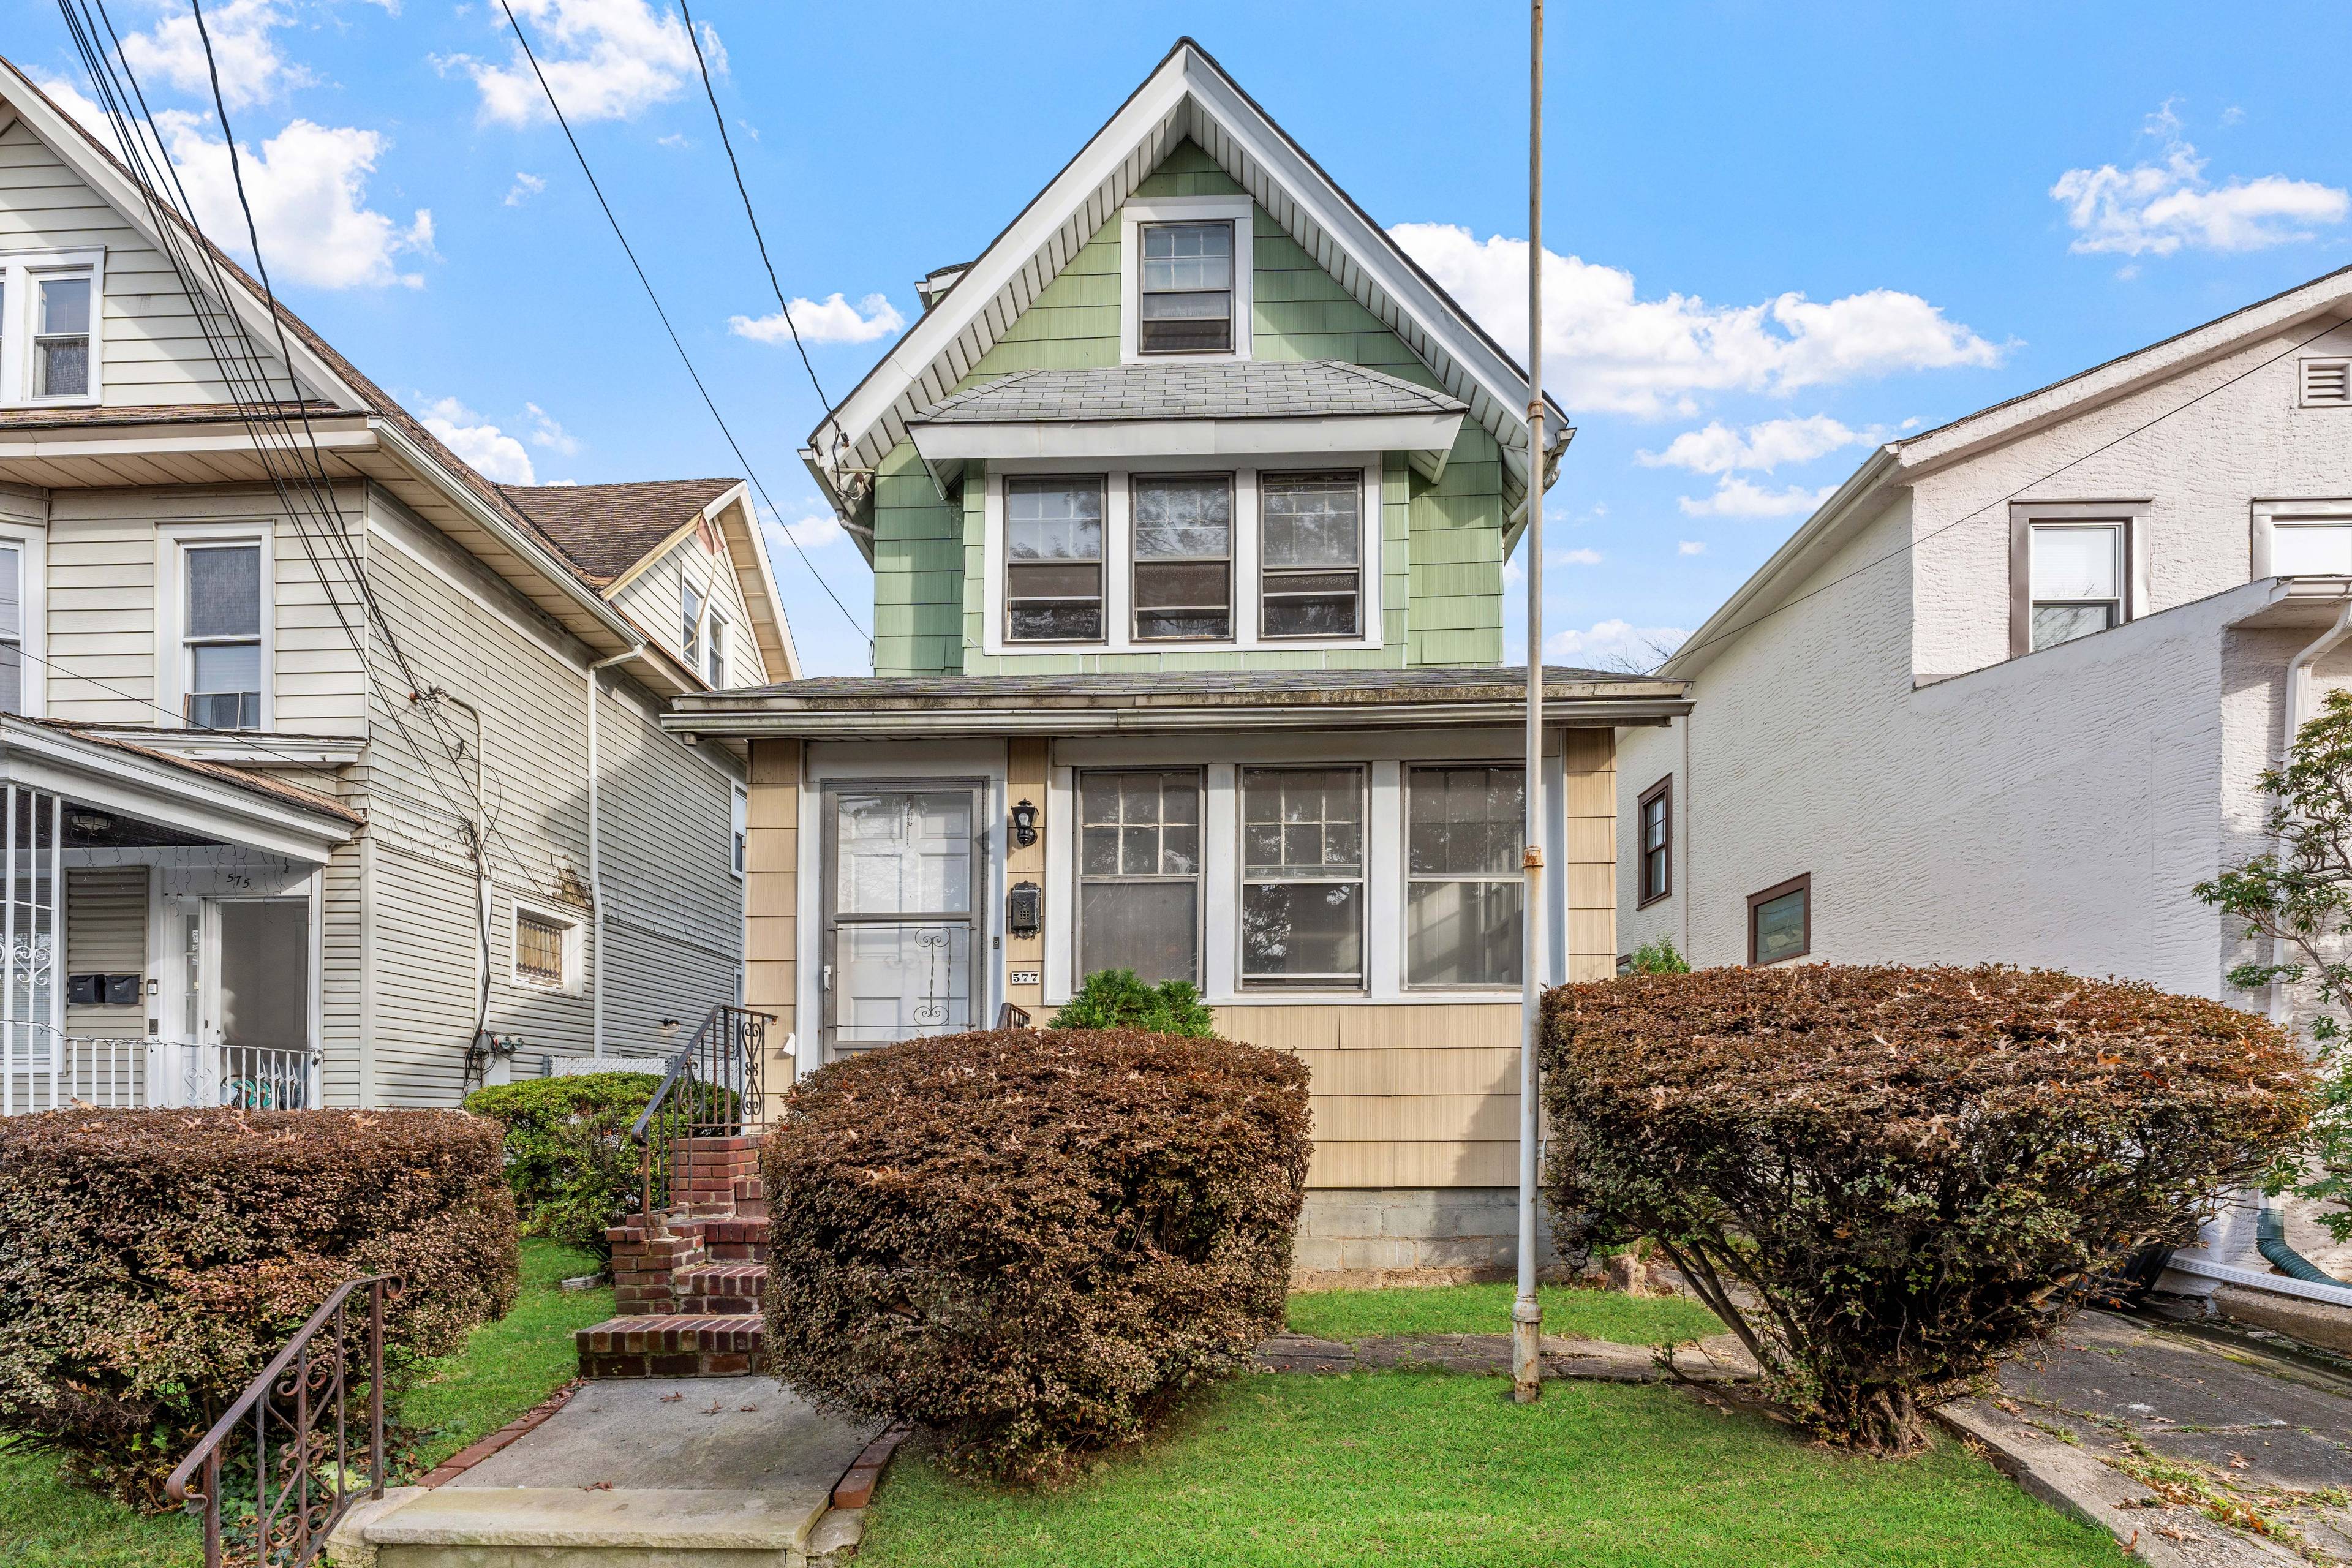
x=1912 y=544
x=675 y=342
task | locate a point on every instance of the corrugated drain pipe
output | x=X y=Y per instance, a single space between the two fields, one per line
x=2269 y=1240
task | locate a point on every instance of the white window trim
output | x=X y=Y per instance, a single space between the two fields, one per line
x=573 y=926
x=2267 y=513
x=172 y=543
x=1242 y=212
x=1118 y=585
x=19 y=271
x=32 y=541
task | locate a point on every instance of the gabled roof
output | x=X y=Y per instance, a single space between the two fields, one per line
x=604 y=530
x=1187 y=95
x=1901 y=464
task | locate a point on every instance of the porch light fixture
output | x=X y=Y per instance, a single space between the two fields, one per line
x=1024 y=823
x=91 y=822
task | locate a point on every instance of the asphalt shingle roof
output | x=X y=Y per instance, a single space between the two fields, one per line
x=1440 y=684
x=604 y=530
x=1303 y=389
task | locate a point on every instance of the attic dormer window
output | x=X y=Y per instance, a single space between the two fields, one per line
x=1185 y=297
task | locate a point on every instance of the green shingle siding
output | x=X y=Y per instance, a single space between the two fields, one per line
x=1441 y=556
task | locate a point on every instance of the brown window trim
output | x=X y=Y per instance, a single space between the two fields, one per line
x=2022 y=515
x=1664 y=786
x=1782 y=890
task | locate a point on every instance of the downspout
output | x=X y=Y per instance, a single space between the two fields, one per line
x=596 y=859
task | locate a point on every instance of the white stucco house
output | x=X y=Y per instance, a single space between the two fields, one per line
x=2005 y=696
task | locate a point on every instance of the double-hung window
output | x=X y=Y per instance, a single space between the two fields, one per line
x=1185 y=288
x=1311 y=554
x=715 y=655
x=1184 y=557
x=1054 y=560
x=1654 y=822
x=61 y=335
x=1302 y=911
x=1139 y=873
x=689 y=637
x=1463 y=875
x=221 y=636
x=2077 y=573
x=12 y=628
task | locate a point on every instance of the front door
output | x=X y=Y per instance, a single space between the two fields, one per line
x=255 y=999
x=902 y=946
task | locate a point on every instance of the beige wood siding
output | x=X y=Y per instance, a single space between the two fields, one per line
x=772 y=860
x=152 y=349
x=1026 y=780
x=105 y=934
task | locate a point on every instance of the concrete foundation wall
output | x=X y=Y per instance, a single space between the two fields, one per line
x=1367 y=1236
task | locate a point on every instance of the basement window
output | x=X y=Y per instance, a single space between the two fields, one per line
x=546 y=950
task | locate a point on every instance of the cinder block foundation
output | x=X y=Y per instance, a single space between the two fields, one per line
x=1362 y=1237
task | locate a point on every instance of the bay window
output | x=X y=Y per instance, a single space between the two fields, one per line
x=1184 y=557
x=221 y=636
x=1139 y=873
x=1302 y=906
x=1463 y=877
x=1054 y=560
x=1310 y=543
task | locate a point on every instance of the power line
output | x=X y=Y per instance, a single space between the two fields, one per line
x=1912 y=544
x=675 y=342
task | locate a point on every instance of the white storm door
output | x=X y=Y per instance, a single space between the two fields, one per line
x=903 y=872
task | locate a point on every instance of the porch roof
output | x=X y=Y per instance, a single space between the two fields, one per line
x=1143 y=702
x=188 y=795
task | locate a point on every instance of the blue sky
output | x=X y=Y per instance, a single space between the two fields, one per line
x=1778 y=232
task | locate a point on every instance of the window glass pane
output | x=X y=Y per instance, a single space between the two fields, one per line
x=1654 y=821
x=2070 y=563
x=1312 y=519
x=903 y=851
x=12 y=678
x=225 y=591
x=1183 y=519
x=2054 y=624
x=2311 y=550
x=1780 y=927
x=1462 y=934
x=1053 y=520
x=1465 y=821
x=1153 y=928
x=1188 y=256
x=65 y=305
x=226 y=666
x=12 y=597
x=1302 y=930
x=61 y=367
x=1302 y=822
x=1054 y=623
x=1330 y=614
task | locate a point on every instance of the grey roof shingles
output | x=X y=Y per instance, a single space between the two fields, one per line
x=1299 y=389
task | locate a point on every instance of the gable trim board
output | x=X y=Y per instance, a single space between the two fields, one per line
x=1899 y=464
x=1187 y=95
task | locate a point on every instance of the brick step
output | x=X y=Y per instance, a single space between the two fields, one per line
x=712 y=1289
x=670 y=1345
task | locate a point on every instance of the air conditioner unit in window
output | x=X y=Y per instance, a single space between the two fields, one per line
x=2326 y=383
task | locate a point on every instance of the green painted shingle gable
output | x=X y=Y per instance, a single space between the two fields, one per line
x=1440 y=546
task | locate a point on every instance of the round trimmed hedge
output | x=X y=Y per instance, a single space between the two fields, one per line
x=152 y=1261
x=1885 y=1178
x=1030 y=1241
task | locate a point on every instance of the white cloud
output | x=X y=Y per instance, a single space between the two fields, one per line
x=308 y=185
x=545 y=432
x=493 y=453
x=251 y=70
x=1720 y=450
x=816 y=528
x=1614 y=645
x=1608 y=350
x=604 y=59
x=1574 y=558
x=525 y=186
x=2157 y=208
x=1735 y=497
x=1691 y=547
x=835 y=321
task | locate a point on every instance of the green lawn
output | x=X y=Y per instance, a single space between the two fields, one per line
x=1438 y=1472
x=1486 y=1310
x=505 y=1369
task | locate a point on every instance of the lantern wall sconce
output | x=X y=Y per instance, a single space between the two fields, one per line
x=1024 y=825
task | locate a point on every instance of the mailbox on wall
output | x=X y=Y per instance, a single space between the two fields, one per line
x=1025 y=909
x=102 y=990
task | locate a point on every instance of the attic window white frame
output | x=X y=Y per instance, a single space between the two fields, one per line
x=20 y=279
x=2271 y=515
x=1119 y=549
x=1242 y=212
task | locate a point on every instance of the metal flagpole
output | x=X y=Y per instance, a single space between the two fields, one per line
x=1526 y=1311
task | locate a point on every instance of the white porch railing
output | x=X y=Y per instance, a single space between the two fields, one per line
x=42 y=1068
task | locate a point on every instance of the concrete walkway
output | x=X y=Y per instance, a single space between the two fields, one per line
x=731 y=1472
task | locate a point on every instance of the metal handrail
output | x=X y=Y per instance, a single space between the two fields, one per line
x=308 y=1534
x=713 y=1084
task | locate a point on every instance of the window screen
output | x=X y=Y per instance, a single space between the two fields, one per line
x=539 y=949
x=1302 y=914
x=1463 y=892
x=1311 y=532
x=1053 y=560
x=1184 y=557
x=1139 y=873
x=1186 y=303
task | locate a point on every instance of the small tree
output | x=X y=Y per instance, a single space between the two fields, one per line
x=2300 y=897
x=1659 y=957
x=1116 y=999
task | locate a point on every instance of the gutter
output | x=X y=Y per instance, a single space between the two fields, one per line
x=595 y=855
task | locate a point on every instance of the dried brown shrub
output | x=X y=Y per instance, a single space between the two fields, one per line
x=1900 y=1170
x=1031 y=1241
x=152 y=1261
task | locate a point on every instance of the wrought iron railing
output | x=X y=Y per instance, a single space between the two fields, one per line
x=716 y=1088
x=297 y=1416
x=44 y=1068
